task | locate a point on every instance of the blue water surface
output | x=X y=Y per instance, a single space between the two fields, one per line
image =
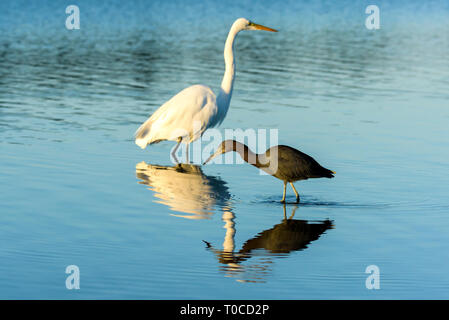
x=371 y=105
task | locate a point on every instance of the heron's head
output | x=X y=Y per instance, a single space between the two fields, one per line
x=225 y=146
x=245 y=24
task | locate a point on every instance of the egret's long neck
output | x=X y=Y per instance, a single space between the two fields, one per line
x=224 y=97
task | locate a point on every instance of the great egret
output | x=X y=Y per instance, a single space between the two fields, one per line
x=282 y=162
x=186 y=116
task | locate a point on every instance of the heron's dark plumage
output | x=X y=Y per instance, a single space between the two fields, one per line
x=294 y=165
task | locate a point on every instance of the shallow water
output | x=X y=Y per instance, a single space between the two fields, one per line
x=370 y=105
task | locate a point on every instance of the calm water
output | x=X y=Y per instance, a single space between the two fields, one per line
x=75 y=189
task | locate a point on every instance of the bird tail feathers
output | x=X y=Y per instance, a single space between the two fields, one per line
x=329 y=173
x=142 y=134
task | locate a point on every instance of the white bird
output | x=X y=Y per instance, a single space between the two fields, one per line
x=186 y=116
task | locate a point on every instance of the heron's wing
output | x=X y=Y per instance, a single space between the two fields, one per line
x=290 y=161
x=299 y=164
x=188 y=113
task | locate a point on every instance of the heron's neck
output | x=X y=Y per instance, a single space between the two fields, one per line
x=249 y=156
x=224 y=97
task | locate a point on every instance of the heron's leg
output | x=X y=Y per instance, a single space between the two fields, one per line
x=296 y=192
x=173 y=153
x=285 y=189
x=292 y=215
x=187 y=153
x=293 y=212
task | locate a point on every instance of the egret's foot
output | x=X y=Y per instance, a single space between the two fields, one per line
x=283 y=201
x=179 y=168
x=297 y=200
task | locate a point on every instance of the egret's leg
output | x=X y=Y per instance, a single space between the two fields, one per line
x=296 y=192
x=173 y=153
x=285 y=190
x=187 y=153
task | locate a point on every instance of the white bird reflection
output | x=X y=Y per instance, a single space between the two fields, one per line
x=288 y=236
x=185 y=188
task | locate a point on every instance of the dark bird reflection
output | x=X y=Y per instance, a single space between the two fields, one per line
x=185 y=188
x=279 y=241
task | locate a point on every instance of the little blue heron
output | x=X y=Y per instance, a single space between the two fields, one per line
x=283 y=162
x=192 y=111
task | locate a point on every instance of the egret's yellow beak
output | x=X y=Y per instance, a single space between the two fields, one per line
x=261 y=27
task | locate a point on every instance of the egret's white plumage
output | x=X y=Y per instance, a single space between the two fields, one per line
x=185 y=115
x=192 y=111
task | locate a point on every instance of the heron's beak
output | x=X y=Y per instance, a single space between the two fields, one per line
x=212 y=156
x=261 y=27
